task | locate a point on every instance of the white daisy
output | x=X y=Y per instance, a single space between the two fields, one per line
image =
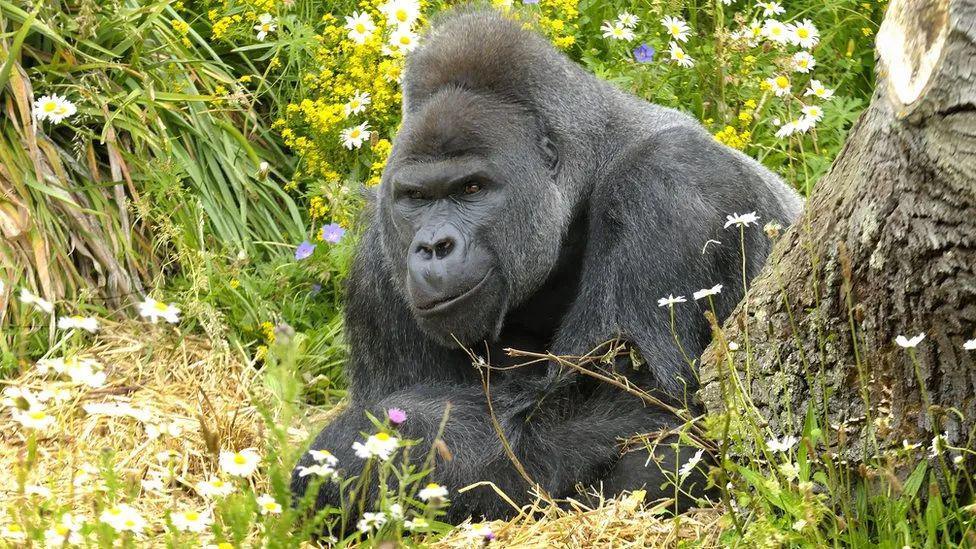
x=29 y=298
x=266 y=25
x=360 y=26
x=628 y=19
x=803 y=62
x=380 y=445
x=818 y=90
x=36 y=418
x=670 y=300
x=679 y=56
x=617 y=31
x=123 y=518
x=771 y=8
x=54 y=108
x=676 y=28
x=743 y=220
x=268 y=505
x=776 y=31
x=324 y=457
x=357 y=104
x=688 y=467
x=192 y=521
x=432 y=491
x=371 y=521
x=354 y=137
x=414 y=524
x=154 y=310
x=780 y=85
x=909 y=343
x=318 y=469
x=77 y=322
x=784 y=445
x=214 y=487
x=401 y=13
x=812 y=112
x=804 y=34
x=12 y=532
x=66 y=531
x=239 y=464
x=403 y=40
x=714 y=290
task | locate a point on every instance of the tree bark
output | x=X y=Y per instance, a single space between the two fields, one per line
x=886 y=246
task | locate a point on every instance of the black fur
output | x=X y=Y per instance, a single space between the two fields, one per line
x=596 y=204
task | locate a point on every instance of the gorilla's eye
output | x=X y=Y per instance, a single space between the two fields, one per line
x=472 y=188
x=415 y=195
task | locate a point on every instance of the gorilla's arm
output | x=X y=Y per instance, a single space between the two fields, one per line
x=650 y=218
x=580 y=448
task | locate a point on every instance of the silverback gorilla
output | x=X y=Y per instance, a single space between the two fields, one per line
x=527 y=204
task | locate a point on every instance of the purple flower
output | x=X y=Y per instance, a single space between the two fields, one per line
x=332 y=233
x=644 y=53
x=396 y=415
x=304 y=250
x=530 y=1
x=316 y=288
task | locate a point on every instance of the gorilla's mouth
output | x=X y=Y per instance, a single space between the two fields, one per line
x=445 y=303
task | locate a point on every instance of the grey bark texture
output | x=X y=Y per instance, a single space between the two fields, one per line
x=886 y=246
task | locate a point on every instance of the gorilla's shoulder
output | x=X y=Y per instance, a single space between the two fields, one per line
x=680 y=167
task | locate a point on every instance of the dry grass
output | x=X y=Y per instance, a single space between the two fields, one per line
x=208 y=392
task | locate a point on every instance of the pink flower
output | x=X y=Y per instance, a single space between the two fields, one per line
x=396 y=415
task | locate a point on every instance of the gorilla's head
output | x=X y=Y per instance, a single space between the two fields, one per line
x=463 y=244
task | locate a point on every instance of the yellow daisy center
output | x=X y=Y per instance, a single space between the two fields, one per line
x=191 y=516
x=675 y=30
x=382 y=437
x=405 y=40
x=401 y=15
x=776 y=30
x=354 y=134
x=360 y=28
x=160 y=306
x=37 y=414
x=802 y=33
x=240 y=459
x=61 y=529
x=433 y=486
x=129 y=523
x=803 y=63
x=50 y=106
x=782 y=81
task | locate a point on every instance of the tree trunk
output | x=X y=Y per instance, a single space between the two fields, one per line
x=886 y=246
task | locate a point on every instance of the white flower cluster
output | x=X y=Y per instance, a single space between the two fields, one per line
x=401 y=15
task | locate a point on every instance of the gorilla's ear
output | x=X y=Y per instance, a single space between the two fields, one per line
x=549 y=152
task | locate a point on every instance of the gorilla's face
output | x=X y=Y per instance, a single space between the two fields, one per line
x=473 y=219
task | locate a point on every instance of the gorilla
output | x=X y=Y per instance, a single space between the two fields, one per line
x=527 y=204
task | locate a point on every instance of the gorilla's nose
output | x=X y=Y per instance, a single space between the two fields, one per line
x=437 y=250
x=437 y=266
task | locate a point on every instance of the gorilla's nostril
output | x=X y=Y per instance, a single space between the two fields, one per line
x=443 y=248
x=425 y=251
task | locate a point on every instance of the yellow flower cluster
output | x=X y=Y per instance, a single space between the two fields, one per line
x=557 y=20
x=345 y=69
x=316 y=207
x=268 y=329
x=733 y=138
